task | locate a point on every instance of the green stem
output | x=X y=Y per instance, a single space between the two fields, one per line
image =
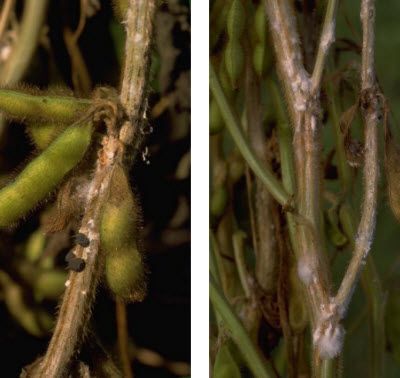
x=215 y=267
x=238 y=249
x=20 y=105
x=239 y=335
x=285 y=139
x=233 y=124
x=326 y=39
x=328 y=368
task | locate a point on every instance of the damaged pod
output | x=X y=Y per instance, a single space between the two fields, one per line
x=124 y=266
x=44 y=173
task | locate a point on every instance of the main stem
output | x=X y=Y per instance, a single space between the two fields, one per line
x=80 y=292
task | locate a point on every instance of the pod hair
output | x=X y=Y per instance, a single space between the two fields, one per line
x=125 y=270
x=34 y=105
x=44 y=173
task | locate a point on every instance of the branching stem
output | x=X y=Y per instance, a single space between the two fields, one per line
x=304 y=108
x=81 y=287
x=327 y=38
x=370 y=105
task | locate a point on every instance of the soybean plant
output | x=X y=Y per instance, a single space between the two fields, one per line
x=83 y=146
x=286 y=159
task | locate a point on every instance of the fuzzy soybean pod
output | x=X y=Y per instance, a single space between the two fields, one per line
x=236 y=20
x=234 y=61
x=260 y=23
x=234 y=55
x=44 y=173
x=124 y=266
x=262 y=58
x=42 y=134
x=20 y=105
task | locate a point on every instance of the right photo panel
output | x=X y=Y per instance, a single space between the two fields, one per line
x=304 y=114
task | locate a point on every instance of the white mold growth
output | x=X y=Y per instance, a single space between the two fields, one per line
x=329 y=36
x=329 y=340
x=305 y=271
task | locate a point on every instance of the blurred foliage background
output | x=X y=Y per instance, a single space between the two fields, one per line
x=385 y=250
x=159 y=327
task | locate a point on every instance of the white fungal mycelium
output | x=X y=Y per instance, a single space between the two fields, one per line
x=305 y=271
x=329 y=340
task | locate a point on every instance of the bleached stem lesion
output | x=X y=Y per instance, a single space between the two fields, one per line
x=326 y=40
x=80 y=290
x=302 y=94
x=370 y=113
x=304 y=108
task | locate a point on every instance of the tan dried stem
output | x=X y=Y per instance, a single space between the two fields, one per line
x=5 y=14
x=370 y=113
x=302 y=95
x=139 y=23
x=304 y=108
x=81 y=287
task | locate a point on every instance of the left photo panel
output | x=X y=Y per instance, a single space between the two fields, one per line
x=95 y=118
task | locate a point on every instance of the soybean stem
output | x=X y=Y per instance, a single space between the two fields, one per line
x=326 y=39
x=79 y=296
x=366 y=226
x=5 y=13
x=123 y=338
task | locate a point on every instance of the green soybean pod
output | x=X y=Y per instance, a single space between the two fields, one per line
x=21 y=105
x=260 y=23
x=125 y=273
x=119 y=220
x=224 y=78
x=234 y=61
x=236 y=20
x=44 y=173
x=50 y=284
x=259 y=58
x=42 y=134
x=219 y=201
x=124 y=266
x=120 y=8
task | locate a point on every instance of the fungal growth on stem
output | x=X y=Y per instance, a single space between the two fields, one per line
x=299 y=218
